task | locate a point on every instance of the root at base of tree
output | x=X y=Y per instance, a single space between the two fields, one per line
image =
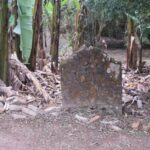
x=23 y=79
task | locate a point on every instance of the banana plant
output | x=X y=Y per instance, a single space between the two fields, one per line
x=49 y=6
x=143 y=28
x=24 y=27
x=3 y=40
x=55 y=7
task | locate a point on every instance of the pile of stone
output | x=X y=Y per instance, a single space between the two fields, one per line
x=136 y=93
x=21 y=106
x=29 y=102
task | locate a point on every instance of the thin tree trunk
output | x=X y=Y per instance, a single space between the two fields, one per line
x=14 y=39
x=78 y=38
x=84 y=32
x=36 y=29
x=79 y=33
x=4 y=40
x=41 y=52
x=132 y=46
x=16 y=36
x=140 y=55
x=55 y=35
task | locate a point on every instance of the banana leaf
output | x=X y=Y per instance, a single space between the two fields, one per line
x=24 y=27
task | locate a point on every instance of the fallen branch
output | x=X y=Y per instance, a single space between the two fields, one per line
x=21 y=78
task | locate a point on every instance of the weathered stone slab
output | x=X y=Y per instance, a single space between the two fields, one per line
x=90 y=77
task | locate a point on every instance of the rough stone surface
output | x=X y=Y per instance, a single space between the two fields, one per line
x=90 y=77
x=18 y=116
x=29 y=112
x=15 y=108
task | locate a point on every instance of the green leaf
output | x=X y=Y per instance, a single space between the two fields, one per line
x=11 y=20
x=147 y=26
x=77 y=4
x=25 y=18
x=49 y=8
x=64 y=2
x=134 y=18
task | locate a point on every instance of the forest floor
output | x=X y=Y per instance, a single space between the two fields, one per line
x=78 y=129
x=64 y=132
x=120 y=55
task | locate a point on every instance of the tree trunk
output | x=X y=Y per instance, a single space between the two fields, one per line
x=132 y=46
x=140 y=56
x=55 y=34
x=41 y=51
x=78 y=38
x=85 y=31
x=16 y=36
x=4 y=40
x=36 y=30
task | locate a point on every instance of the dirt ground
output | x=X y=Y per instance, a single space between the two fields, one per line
x=120 y=55
x=63 y=131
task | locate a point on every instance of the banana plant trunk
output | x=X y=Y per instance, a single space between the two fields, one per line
x=16 y=36
x=41 y=52
x=78 y=38
x=140 y=56
x=4 y=40
x=37 y=19
x=84 y=32
x=55 y=35
x=132 y=46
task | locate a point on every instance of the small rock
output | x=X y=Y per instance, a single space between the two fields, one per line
x=143 y=88
x=136 y=125
x=15 y=108
x=126 y=98
x=109 y=122
x=55 y=114
x=146 y=128
x=2 y=107
x=32 y=107
x=18 y=100
x=29 y=111
x=94 y=119
x=2 y=98
x=17 y=116
x=8 y=99
x=115 y=128
x=7 y=91
x=81 y=118
x=50 y=109
x=30 y=98
x=1 y=104
x=6 y=106
x=139 y=104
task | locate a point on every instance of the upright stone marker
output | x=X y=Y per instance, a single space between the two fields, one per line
x=90 y=77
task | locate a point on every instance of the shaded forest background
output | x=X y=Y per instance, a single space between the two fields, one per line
x=25 y=27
